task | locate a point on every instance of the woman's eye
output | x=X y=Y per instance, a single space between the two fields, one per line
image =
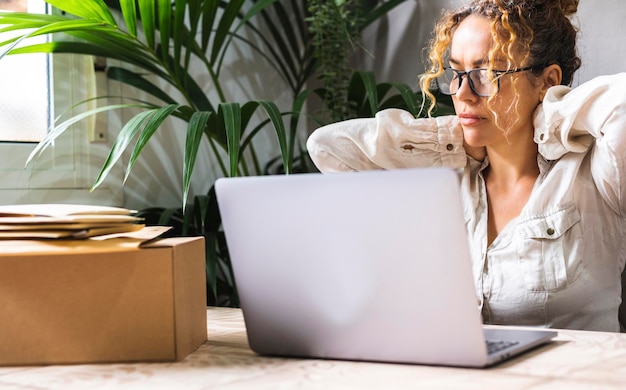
x=484 y=77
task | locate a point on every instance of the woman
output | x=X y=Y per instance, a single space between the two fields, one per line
x=543 y=167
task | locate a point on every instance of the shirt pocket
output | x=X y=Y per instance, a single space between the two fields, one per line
x=550 y=250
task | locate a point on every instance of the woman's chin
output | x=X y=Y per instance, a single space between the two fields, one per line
x=474 y=140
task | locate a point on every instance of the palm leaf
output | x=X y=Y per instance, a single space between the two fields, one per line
x=275 y=118
x=15 y=20
x=277 y=121
x=19 y=21
x=147 y=12
x=223 y=28
x=151 y=126
x=123 y=139
x=284 y=47
x=195 y=130
x=409 y=98
x=363 y=92
x=56 y=131
x=46 y=28
x=138 y=81
x=195 y=95
x=230 y=114
x=177 y=33
x=296 y=109
x=129 y=12
x=106 y=40
x=92 y=9
x=209 y=12
x=165 y=16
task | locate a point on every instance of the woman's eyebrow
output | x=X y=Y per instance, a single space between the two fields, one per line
x=476 y=64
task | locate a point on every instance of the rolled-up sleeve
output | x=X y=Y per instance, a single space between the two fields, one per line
x=589 y=118
x=392 y=139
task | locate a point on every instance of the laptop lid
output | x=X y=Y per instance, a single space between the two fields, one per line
x=361 y=266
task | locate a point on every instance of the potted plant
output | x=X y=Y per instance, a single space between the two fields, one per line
x=168 y=40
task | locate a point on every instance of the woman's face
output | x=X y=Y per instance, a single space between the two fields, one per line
x=469 y=50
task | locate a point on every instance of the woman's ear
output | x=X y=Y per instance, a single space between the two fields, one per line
x=551 y=76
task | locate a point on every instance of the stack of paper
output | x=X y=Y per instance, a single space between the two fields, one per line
x=65 y=221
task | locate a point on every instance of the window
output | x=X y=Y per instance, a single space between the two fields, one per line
x=66 y=171
x=25 y=102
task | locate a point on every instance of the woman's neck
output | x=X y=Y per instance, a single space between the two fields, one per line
x=509 y=179
x=510 y=162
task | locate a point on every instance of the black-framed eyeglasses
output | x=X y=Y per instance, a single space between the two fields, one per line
x=483 y=82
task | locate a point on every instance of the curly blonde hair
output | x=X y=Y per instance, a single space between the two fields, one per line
x=540 y=30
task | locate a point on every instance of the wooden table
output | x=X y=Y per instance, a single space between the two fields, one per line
x=576 y=360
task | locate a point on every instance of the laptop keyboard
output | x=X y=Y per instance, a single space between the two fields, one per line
x=496 y=346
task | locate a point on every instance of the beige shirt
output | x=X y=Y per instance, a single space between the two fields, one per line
x=558 y=264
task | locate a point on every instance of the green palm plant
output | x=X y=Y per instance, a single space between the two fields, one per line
x=169 y=40
x=161 y=38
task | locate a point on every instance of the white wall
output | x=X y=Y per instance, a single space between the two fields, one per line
x=602 y=40
x=396 y=44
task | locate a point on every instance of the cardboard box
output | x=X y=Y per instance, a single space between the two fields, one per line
x=89 y=301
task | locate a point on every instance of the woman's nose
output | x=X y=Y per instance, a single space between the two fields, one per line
x=465 y=91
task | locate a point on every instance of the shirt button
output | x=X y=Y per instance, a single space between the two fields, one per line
x=541 y=137
x=449 y=147
x=550 y=231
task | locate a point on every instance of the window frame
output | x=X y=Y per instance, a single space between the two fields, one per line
x=65 y=172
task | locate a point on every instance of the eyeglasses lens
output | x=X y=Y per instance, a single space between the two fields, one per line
x=480 y=82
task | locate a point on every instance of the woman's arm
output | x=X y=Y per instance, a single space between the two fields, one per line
x=592 y=114
x=392 y=139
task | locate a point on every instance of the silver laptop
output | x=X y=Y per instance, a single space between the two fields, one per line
x=369 y=266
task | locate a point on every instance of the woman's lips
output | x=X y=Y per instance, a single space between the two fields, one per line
x=469 y=119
